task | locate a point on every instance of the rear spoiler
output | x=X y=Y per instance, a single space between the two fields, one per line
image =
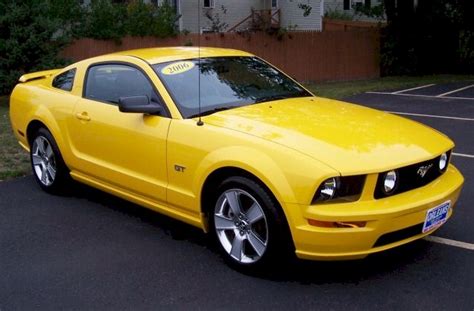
x=37 y=75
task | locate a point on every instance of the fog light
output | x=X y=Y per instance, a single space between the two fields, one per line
x=443 y=161
x=390 y=182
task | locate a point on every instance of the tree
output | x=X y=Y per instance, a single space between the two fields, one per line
x=433 y=37
x=30 y=38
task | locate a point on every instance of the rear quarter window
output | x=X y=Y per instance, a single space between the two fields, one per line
x=65 y=81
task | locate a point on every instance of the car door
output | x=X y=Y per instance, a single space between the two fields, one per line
x=124 y=150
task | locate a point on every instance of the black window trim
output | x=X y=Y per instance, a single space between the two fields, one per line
x=73 y=80
x=166 y=113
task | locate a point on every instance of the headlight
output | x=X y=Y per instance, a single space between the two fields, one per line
x=329 y=187
x=337 y=189
x=443 y=161
x=390 y=182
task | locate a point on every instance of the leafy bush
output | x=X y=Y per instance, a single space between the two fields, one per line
x=30 y=38
x=165 y=20
x=140 y=18
x=216 y=24
x=337 y=14
x=104 y=20
x=376 y=12
x=435 y=37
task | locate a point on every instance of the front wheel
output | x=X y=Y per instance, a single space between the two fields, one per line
x=249 y=227
x=47 y=164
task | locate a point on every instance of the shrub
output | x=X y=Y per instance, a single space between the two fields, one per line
x=165 y=20
x=30 y=39
x=215 y=22
x=336 y=14
x=104 y=20
x=435 y=37
x=140 y=19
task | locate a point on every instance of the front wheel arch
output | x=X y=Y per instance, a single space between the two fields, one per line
x=217 y=177
x=265 y=233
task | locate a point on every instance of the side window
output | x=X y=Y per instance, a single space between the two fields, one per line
x=65 y=80
x=111 y=81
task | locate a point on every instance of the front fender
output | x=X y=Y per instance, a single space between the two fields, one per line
x=251 y=160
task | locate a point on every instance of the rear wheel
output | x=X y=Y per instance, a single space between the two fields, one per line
x=249 y=227
x=47 y=164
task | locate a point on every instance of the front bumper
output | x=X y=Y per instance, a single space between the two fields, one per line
x=400 y=215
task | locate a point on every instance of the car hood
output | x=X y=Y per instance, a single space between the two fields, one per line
x=349 y=138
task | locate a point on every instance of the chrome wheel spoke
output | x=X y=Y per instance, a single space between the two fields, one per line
x=254 y=213
x=49 y=151
x=256 y=243
x=241 y=226
x=233 y=201
x=237 y=248
x=51 y=170
x=37 y=160
x=43 y=162
x=223 y=223
x=40 y=143
x=44 y=176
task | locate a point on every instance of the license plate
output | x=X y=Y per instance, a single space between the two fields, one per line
x=436 y=216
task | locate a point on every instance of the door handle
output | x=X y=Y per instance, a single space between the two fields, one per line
x=84 y=116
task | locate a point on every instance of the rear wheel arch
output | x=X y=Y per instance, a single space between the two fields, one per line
x=33 y=128
x=37 y=124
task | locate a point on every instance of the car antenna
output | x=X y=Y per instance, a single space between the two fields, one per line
x=199 y=122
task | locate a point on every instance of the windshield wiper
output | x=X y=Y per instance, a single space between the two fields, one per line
x=270 y=98
x=281 y=96
x=208 y=112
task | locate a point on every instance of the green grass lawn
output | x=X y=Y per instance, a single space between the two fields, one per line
x=339 y=90
x=14 y=161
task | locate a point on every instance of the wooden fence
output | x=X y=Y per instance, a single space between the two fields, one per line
x=307 y=56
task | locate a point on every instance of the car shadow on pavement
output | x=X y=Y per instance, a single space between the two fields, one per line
x=294 y=270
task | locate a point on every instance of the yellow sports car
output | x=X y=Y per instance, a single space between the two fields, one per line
x=222 y=140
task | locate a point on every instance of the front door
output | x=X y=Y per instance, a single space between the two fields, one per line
x=125 y=150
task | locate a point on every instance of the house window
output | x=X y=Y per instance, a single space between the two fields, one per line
x=367 y=3
x=347 y=5
x=274 y=4
x=208 y=3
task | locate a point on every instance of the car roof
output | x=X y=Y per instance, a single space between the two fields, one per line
x=160 y=55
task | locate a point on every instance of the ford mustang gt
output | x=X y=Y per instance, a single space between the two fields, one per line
x=224 y=141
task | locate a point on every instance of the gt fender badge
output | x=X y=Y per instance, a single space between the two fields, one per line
x=179 y=168
x=423 y=170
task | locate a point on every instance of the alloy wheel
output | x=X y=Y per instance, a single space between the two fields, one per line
x=44 y=162
x=241 y=226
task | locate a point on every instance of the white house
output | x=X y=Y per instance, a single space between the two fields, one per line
x=347 y=6
x=281 y=13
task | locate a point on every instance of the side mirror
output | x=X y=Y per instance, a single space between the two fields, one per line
x=138 y=104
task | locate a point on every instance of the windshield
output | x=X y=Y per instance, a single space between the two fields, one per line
x=226 y=82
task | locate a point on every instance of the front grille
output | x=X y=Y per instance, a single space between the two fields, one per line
x=399 y=235
x=409 y=179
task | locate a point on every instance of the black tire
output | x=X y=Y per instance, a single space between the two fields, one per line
x=44 y=157
x=271 y=230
